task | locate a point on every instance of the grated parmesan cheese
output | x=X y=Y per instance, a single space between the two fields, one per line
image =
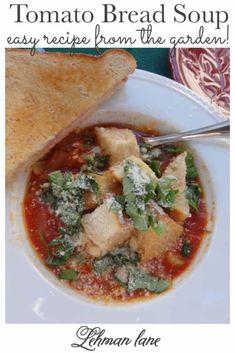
x=139 y=178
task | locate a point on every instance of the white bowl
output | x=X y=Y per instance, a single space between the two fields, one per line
x=34 y=295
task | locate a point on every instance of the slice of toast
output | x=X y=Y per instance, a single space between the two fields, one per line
x=48 y=95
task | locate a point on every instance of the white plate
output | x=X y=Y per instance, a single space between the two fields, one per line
x=202 y=295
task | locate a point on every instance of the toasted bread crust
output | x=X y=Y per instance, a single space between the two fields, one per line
x=48 y=95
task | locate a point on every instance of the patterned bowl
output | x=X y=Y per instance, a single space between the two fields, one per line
x=205 y=71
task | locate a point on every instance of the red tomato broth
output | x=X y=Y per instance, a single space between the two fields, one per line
x=42 y=227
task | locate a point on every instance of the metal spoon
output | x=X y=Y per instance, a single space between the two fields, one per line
x=217 y=130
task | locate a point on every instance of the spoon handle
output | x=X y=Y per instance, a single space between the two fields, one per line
x=218 y=130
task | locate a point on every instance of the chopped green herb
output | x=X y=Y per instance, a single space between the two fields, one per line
x=186 y=249
x=150 y=192
x=158 y=227
x=48 y=197
x=138 y=179
x=94 y=187
x=165 y=193
x=57 y=178
x=145 y=147
x=102 y=264
x=68 y=274
x=55 y=261
x=121 y=200
x=65 y=250
x=69 y=214
x=60 y=182
x=118 y=257
x=139 y=217
x=97 y=162
x=90 y=159
x=65 y=198
x=191 y=168
x=174 y=149
x=113 y=204
x=155 y=166
x=124 y=255
x=64 y=193
x=64 y=246
x=138 y=190
x=128 y=185
x=139 y=279
x=86 y=182
x=193 y=195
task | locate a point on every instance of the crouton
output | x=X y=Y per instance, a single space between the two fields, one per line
x=104 y=231
x=117 y=143
x=118 y=169
x=149 y=244
x=177 y=168
x=107 y=184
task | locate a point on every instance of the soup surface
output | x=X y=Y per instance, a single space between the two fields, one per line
x=113 y=218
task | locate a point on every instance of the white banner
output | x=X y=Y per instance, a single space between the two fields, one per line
x=103 y=24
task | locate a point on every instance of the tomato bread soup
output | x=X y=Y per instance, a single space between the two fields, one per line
x=112 y=217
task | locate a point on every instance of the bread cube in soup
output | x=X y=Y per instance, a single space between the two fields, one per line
x=106 y=183
x=178 y=169
x=117 y=170
x=104 y=231
x=149 y=244
x=117 y=143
